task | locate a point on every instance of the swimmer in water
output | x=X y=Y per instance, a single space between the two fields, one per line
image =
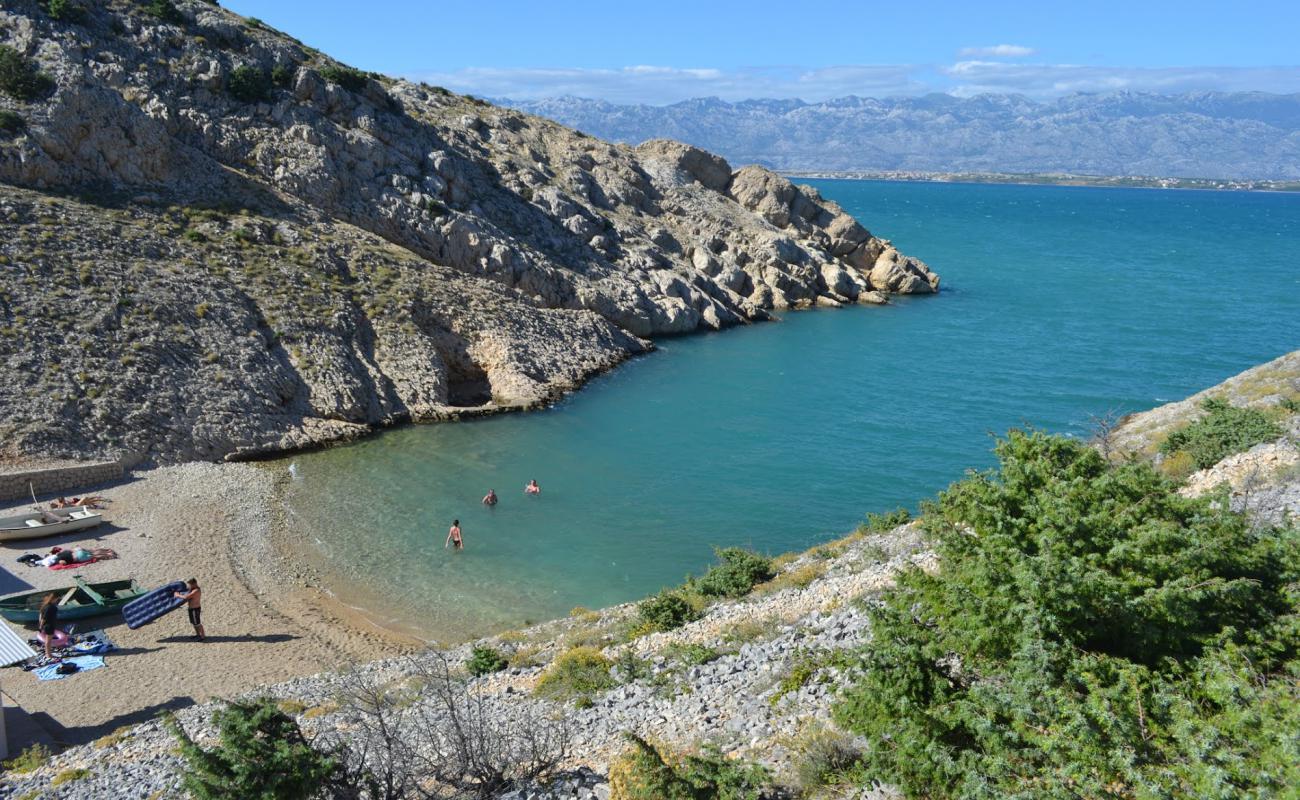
x=453 y=536
x=490 y=499
x=532 y=488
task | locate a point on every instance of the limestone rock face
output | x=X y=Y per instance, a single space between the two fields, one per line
x=377 y=251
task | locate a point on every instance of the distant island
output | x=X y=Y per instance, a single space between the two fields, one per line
x=1058 y=179
x=1218 y=136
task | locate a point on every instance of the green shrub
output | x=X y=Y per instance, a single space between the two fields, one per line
x=665 y=611
x=19 y=77
x=1223 y=430
x=351 y=79
x=282 y=75
x=11 y=122
x=739 y=571
x=691 y=653
x=886 y=522
x=484 y=660
x=1091 y=633
x=165 y=11
x=644 y=772
x=262 y=753
x=576 y=674
x=249 y=84
x=64 y=11
x=824 y=757
x=29 y=760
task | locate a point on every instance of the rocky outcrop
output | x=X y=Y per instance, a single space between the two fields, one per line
x=365 y=250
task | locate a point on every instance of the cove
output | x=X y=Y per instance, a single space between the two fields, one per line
x=1058 y=303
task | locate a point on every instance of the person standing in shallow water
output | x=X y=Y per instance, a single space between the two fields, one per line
x=490 y=499
x=532 y=487
x=453 y=536
x=194 y=606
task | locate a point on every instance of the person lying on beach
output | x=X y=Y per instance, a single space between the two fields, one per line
x=532 y=488
x=453 y=536
x=490 y=499
x=193 y=599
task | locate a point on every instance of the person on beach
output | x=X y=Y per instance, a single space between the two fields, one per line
x=193 y=600
x=532 y=488
x=453 y=536
x=490 y=499
x=48 y=620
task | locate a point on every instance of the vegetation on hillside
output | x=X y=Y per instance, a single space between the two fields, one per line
x=1224 y=430
x=1091 y=633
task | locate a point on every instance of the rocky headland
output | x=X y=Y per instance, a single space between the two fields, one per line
x=219 y=242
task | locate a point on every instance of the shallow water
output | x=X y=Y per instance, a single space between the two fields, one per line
x=1058 y=304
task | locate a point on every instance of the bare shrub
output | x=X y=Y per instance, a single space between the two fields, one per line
x=436 y=736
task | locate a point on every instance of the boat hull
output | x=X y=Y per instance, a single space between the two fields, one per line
x=15 y=528
x=25 y=607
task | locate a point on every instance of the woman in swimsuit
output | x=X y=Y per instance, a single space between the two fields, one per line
x=532 y=488
x=49 y=619
x=453 y=536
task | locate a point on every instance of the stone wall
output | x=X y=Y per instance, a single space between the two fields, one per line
x=14 y=485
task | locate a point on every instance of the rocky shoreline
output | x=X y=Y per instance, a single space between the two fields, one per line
x=753 y=676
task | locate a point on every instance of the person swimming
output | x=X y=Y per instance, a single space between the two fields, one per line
x=532 y=488
x=453 y=536
x=490 y=499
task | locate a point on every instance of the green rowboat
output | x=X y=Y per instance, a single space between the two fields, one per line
x=75 y=602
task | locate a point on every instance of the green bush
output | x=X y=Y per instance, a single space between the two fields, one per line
x=665 y=611
x=29 y=760
x=11 y=122
x=165 y=11
x=249 y=84
x=262 y=753
x=64 y=11
x=485 y=660
x=1091 y=633
x=576 y=674
x=282 y=75
x=739 y=572
x=351 y=79
x=643 y=772
x=1223 y=430
x=886 y=522
x=19 y=77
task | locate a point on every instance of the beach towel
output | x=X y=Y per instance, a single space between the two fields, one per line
x=50 y=672
x=74 y=564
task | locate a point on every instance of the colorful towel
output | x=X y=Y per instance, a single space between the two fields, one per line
x=50 y=672
x=74 y=564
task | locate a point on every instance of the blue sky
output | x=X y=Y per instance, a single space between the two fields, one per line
x=660 y=52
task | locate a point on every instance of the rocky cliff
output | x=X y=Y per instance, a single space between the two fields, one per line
x=219 y=242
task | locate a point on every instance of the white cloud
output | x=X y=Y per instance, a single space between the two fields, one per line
x=997 y=51
x=1053 y=80
x=659 y=85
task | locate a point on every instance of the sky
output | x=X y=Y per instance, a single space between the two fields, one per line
x=670 y=50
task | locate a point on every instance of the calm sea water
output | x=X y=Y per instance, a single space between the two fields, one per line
x=1058 y=304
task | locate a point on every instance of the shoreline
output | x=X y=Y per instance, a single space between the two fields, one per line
x=1046 y=179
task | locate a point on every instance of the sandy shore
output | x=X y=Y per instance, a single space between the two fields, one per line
x=265 y=620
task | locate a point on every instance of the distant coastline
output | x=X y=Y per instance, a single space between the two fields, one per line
x=1054 y=179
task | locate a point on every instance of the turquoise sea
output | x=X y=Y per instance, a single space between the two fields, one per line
x=1058 y=303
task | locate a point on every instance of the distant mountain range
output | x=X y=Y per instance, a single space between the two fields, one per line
x=1206 y=135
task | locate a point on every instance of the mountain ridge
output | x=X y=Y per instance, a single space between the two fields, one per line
x=1228 y=135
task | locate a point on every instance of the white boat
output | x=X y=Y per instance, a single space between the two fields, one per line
x=48 y=523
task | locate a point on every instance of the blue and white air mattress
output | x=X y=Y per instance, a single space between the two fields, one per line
x=148 y=607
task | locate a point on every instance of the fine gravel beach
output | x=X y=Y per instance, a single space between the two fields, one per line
x=265 y=622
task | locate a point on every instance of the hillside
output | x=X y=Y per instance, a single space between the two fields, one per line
x=1204 y=135
x=762 y=672
x=218 y=242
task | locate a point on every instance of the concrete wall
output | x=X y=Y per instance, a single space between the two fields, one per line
x=13 y=485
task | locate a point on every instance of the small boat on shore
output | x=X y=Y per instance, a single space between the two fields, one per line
x=48 y=523
x=75 y=602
